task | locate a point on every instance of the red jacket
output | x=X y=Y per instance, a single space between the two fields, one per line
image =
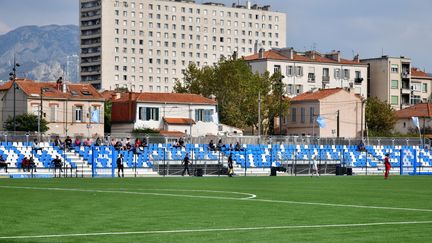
x=387 y=163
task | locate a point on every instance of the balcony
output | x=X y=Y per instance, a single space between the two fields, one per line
x=405 y=75
x=358 y=80
x=311 y=78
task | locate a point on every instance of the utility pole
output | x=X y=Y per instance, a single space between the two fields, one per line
x=362 y=119
x=40 y=112
x=259 y=115
x=337 y=124
x=12 y=77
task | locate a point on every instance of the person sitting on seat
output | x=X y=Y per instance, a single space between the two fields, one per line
x=219 y=145
x=3 y=164
x=57 y=164
x=58 y=142
x=68 y=143
x=31 y=164
x=181 y=142
x=212 y=146
x=36 y=146
x=361 y=146
x=77 y=142
x=237 y=147
x=88 y=142
x=24 y=164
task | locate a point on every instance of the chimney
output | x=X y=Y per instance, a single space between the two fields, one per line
x=64 y=88
x=311 y=54
x=335 y=56
x=261 y=53
x=248 y=4
x=288 y=52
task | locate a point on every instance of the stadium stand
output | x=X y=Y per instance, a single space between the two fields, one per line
x=165 y=159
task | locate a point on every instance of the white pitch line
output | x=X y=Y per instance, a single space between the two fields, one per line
x=250 y=196
x=216 y=230
x=228 y=198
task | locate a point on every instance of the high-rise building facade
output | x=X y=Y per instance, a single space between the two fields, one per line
x=146 y=45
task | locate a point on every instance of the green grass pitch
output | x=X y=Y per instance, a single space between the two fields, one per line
x=217 y=209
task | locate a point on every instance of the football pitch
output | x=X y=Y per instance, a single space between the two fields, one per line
x=217 y=209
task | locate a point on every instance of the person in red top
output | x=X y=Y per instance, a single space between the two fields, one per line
x=387 y=166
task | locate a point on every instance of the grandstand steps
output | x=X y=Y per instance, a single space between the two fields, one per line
x=83 y=168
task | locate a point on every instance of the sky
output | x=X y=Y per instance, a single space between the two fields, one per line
x=367 y=27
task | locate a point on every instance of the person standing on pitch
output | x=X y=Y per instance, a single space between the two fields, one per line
x=315 y=166
x=120 y=165
x=387 y=166
x=230 y=166
x=186 y=163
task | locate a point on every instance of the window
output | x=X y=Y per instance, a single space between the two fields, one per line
x=35 y=109
x=302 y=115
x=299 y=71
x=203 y=115
x=277 y=69
x=346 y=74
x=394 y=100
x=294 y=115
x=290 y=71
x=394 y=84
x=311 y=115
x=78 y=114
x=326 y=74
x=337 y=73
x=424 y=88
x=148 y=113
x=311 y=74
x=394 y=68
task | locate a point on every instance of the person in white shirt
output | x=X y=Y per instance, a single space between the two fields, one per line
x=315 y=166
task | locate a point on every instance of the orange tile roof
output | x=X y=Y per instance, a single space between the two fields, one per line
x=179 y=121
x=168 y=98
x=317 y=95
x=415 y=72
x=275 y=55
x=74 y=91
x=419 y=110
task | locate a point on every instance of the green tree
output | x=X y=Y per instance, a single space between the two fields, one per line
x=26 y=123
x=107 y=116
x=236 y=88
x=380 y=117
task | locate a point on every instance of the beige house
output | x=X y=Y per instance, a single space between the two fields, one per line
x=390 y=80
x=69 y=109
x=340 y=109
x=405 y=125
x=311 y=70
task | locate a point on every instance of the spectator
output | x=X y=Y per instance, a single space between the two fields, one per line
x=98 y=142
x=36 y=146
x=315 y=166
x=31 y=164
x=118 y=146
x=220 y=145
x=25 y=164
x=120 y=166
x=237 y=147
x=3 y=164
x=58 y=142
x=128 y=145
x=68 y=143
x=113 y=142
x=176 y=144
x=57 y=164
x=231 y=147
x=181 y=142
x=361 y=146
x=77 y=142
x=88 y=142
x=387 y=166
x=144 y=142
x=212 y=146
